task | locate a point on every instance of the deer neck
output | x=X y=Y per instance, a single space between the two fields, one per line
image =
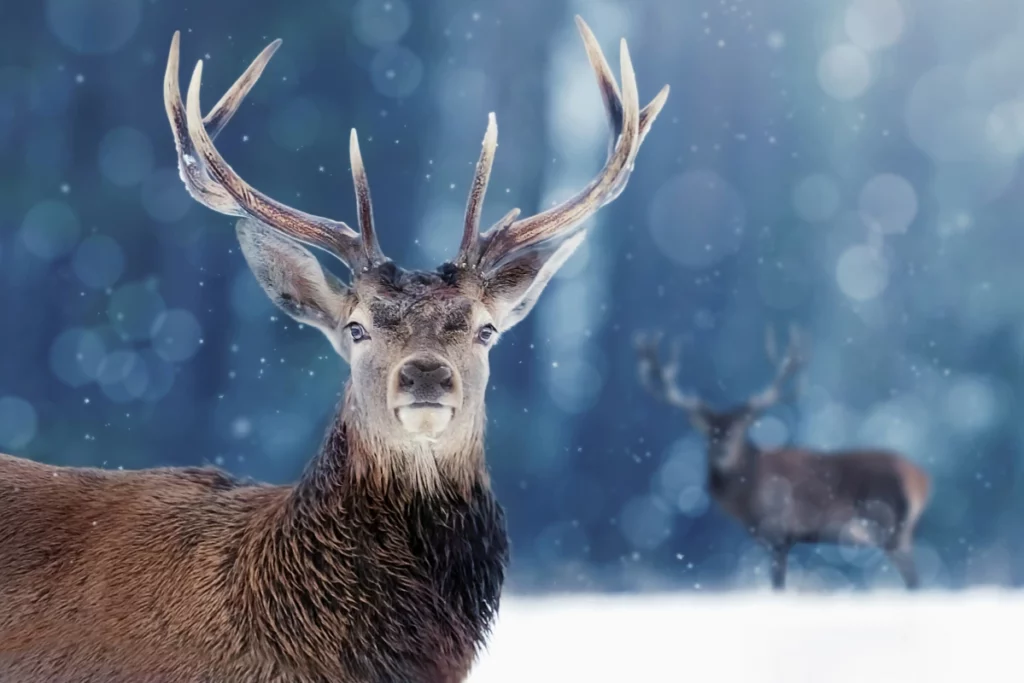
x=354 y=457
x=439 y=542
x=732 y=454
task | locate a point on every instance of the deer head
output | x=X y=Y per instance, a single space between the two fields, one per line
x=417 y=342
x=719 y=426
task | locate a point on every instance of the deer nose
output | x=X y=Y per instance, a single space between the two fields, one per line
x=427 y=379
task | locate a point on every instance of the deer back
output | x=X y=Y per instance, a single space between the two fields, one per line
x=811 y=496
x=91 y=560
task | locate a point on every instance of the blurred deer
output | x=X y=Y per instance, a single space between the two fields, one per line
x=385 y=561
x=793 y=495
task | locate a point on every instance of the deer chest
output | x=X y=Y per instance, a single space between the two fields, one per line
x=404 y=594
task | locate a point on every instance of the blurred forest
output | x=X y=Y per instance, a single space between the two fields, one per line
x=851 y=166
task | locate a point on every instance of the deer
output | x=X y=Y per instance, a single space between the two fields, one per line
x=791 y=495
x=385 y=561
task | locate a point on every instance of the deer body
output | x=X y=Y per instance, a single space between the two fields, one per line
x=185 y=575
x=791 y=495
x=384 y=563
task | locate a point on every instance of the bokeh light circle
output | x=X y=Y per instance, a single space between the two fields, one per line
x=697 y=219
x=134 y=308
x=115 y=366
x=122 y=376
x=1004 y=128
x=125 y=156
x=75 y=356
x=94 y=26
x=396 y=71
x=816 y=198
x=176 y=335
x=769 y=432
x=888 y=202
x=941 y=119
x=50 y=229
x=646 y=522
x=18 y=423
x=874 y=24
x=844 y=72
x=862 y=273
x=377 y=23
x=971 y=404
x=98 y=261
x=693 y=501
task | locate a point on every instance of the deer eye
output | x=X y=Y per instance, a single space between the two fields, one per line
x=486 y=334
x=358 y=332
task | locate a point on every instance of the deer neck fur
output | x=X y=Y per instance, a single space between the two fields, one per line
x=373 y=545
x=732 y=453
x=453 y=463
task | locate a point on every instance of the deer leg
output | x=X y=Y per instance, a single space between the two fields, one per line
x=780 y=553
x=902 y=557
x=900 y=550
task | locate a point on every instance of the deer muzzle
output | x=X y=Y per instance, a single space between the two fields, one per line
x=425 y=396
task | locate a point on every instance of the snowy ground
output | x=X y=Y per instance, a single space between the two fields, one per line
x=760 y=638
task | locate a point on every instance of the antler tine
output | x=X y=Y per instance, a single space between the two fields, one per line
x=485 y=239
x=771 y=344
x=610 y=89
x=629 y=125
x=796 y=338
x=798 y=349
x=197 y=181
x=368 y=236
x=788 y=366
x=232 y=99
x=659 y=378
x=222 y=112
x=675 y=352
x=796 y=352
x=470 y=246
x=613 y=102
x=216 y=185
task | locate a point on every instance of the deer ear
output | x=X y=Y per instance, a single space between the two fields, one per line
x=294 y=279
x=700 y=421
x=513 y=287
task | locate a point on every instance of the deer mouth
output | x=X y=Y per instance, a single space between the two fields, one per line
x=425 y=418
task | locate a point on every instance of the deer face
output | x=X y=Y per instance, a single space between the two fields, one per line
x=417 y=342
x=418 y=347
x=725 y=430
x=718 y=427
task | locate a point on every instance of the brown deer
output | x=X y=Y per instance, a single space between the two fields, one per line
x=792 y=495
x=385 y=562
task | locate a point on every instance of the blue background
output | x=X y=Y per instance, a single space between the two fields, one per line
x=849 y=166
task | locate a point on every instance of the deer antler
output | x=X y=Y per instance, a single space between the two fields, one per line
x=214 y=184
x=787 y=367
x=659 y=378
x=629 y=127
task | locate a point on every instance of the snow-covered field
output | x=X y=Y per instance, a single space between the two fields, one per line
x=760 y=638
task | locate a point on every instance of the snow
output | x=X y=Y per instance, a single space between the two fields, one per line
x=792 y=638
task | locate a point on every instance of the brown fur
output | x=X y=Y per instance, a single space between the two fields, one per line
x=385 y=562
x=186 y=575
x=792 y=495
